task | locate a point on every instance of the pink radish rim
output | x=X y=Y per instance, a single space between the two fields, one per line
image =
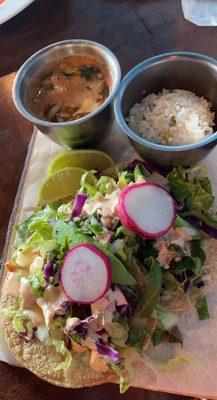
x=105 y=260
x=131 y=225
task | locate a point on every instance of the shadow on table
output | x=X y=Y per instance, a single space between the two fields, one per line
x=21 y=384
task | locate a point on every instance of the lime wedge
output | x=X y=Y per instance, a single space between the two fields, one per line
x=62 y=185
x=87 y=159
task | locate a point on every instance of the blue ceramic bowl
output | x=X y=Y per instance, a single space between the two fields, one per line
x=177 y=70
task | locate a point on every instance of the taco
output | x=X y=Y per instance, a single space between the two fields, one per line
x=95 y=284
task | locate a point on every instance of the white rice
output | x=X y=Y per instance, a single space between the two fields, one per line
x=172 y=117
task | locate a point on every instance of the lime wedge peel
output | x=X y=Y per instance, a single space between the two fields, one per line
x=86 y=159
x=62 y=184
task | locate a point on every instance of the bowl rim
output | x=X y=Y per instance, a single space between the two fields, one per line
x=133 y=73
x=20 y=75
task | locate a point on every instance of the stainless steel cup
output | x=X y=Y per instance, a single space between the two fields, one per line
x=178 y=70
x=93 y=127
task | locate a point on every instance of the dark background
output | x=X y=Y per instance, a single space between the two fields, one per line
x=134 y=31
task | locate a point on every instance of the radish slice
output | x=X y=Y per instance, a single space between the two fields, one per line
x=147 y=209
x=85 y=274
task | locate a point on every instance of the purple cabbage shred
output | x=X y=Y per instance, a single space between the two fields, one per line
x=107 y=351
x=82 y=331
x=64 y=307
x=79 y=202
x=124 y=310
x=48 y=270
x=25 y=335
x=186 y=286
x=200 y=284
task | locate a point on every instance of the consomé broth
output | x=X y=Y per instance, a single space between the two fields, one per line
x=69 y=88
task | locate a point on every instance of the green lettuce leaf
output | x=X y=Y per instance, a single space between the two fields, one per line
x=193 y=187
x=61 y=348
x=140 y=332
x=48 y=213
x=60 y=345
x=186 y=263
x=151 y=295
x=122 y=180
x=162 y=336
x=202 y=309
x=175 y=363
x=197 y=251
x=140 y=172
x=124 y=378
x=66 y=364
x=18 y=321
x=33 y=241
x=127 y=370
x=37 y=282
x=106 y=184
x=118 y=332
x=166 y=318
x=42 y=227
x=46 y=247
x=210 y=218
x=194 y=232
x=64 y=211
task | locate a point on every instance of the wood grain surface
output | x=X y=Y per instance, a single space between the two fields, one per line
x=134 y=30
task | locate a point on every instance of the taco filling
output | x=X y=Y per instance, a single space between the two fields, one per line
x=109 y=273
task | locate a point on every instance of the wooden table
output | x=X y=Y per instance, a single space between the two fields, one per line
x=134 y=30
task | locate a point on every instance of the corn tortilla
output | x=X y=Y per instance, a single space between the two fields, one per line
x=36 y=356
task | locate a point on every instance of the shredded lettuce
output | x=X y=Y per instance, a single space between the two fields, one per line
x=42 y=227
x=118 y=333
x=194 y=188
x=86 y=187
x=35 y=239
x=106 y=184
x=46 y=247
x=61 y=348
x=153 y=283
x=202 y=309
x=37 y=282
x=194 y=232
x=66 y=364
x=140 y=172
x=118 y=247
x=48 y=213
x=18 y=321
x=124 y=378
x=60 y=345
x=127 y=370
x=122 y=181
x=64 y=211
x=175 y=363
x=166 y=318
x=165 y=336
x=140 y=332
